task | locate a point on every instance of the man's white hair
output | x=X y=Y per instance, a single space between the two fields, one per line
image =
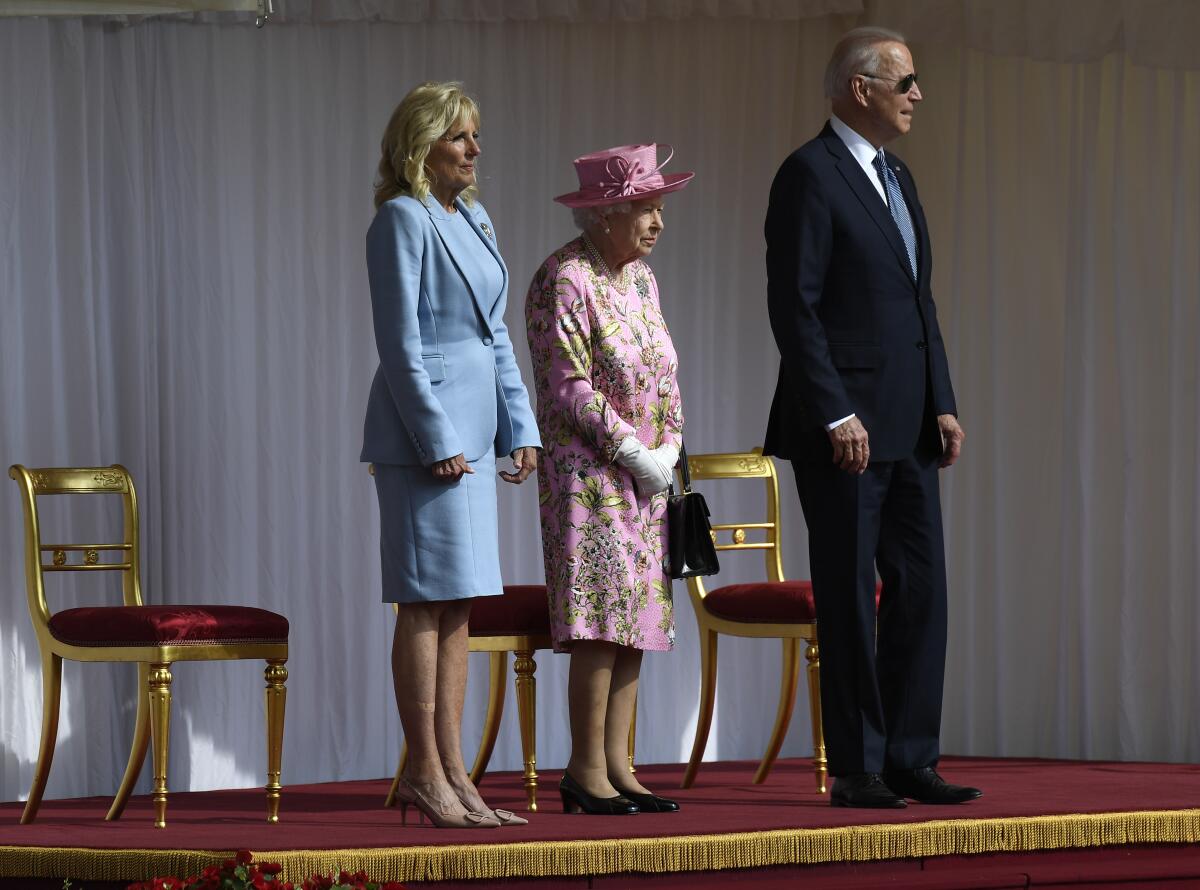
x=856 y=53
x=586 y=217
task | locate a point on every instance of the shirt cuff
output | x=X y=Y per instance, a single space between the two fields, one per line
x=837 y=423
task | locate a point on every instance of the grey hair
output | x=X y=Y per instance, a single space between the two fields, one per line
x=586 y=217
x=856 y=52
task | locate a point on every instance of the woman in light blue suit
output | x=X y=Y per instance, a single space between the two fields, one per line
x=446 y=401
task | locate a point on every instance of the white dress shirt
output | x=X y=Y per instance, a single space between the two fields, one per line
x=862 y=151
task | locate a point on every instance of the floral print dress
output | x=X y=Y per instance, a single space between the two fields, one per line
x=604 y=369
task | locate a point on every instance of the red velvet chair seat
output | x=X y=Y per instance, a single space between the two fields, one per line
x=522 y=610
x=768 y=602
x=167 y=625
x=764 y=602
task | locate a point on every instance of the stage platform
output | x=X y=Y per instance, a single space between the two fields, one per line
x=1070 y=822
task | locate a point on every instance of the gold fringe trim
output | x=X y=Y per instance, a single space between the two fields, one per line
x=92 y=864
x=754 y=849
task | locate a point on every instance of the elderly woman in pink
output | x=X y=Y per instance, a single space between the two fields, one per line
x=609 y=414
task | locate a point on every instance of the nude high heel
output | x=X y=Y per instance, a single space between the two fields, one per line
x=502 y=817
x=508 y=817
x=410 y=793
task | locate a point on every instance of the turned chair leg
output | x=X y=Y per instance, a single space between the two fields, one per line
x=390 y=800
x=708 y=694
x=526 y=687
x=139 y=747
x=51 y=694
x=159 y=692
x=276 y=699
x=820 y=765
x=632 y=734
x=788 y=680
x=498 y=667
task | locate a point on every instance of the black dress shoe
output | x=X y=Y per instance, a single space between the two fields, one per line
x=926 y=786
x=652 y=803
x=865 y=790
x=576 y=800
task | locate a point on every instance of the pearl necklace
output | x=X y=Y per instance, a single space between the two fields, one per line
x=621 y=282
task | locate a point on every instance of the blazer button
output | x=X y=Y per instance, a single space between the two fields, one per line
x=920 y=344
x=487 y=341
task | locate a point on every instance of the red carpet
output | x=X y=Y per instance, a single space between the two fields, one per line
x=726 y=822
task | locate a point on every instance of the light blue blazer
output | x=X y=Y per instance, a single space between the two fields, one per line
x=448 y=381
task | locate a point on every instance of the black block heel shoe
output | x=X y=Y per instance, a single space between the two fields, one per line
x=576 y=800
x=652 y=803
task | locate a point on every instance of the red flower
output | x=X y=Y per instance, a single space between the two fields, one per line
x=239 y=873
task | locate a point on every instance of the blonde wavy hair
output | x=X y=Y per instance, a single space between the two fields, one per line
x=424 y=116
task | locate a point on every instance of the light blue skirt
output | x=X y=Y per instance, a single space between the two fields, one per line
x=438 y=540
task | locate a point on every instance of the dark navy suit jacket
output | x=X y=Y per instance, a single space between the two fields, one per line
x=856 y=334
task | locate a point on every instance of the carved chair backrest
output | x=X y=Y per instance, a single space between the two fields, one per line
x=42 y=557
x=759 y=534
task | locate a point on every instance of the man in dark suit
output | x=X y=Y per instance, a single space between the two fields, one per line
x=865 y=411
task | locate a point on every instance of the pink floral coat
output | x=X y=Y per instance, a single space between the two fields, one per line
x=604 y=369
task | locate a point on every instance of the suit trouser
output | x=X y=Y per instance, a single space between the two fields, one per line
x=881 y=680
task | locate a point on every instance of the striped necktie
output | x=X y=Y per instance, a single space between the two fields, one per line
x=895 y=200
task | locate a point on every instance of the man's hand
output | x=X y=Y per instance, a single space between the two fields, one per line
x=451 y=469
x=525 y=460
x=850 y=449
x=952 y=439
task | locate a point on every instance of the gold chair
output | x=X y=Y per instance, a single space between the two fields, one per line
x=776 y=608
x=153 y=637
x=517 y=622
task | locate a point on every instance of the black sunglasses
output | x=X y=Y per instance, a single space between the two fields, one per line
x=903 y=85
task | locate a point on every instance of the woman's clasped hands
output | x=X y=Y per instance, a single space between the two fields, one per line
x=651 y=468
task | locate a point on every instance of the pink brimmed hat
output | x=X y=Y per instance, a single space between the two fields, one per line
x=624 y=173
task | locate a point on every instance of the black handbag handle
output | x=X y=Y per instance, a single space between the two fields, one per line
x=683 y=471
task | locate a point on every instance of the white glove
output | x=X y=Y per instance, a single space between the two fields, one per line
x=667 y=457
x=647 y=469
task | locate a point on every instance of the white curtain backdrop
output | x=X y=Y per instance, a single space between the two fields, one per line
x=182 y=210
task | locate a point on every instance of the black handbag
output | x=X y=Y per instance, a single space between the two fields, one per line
x=690 y=547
